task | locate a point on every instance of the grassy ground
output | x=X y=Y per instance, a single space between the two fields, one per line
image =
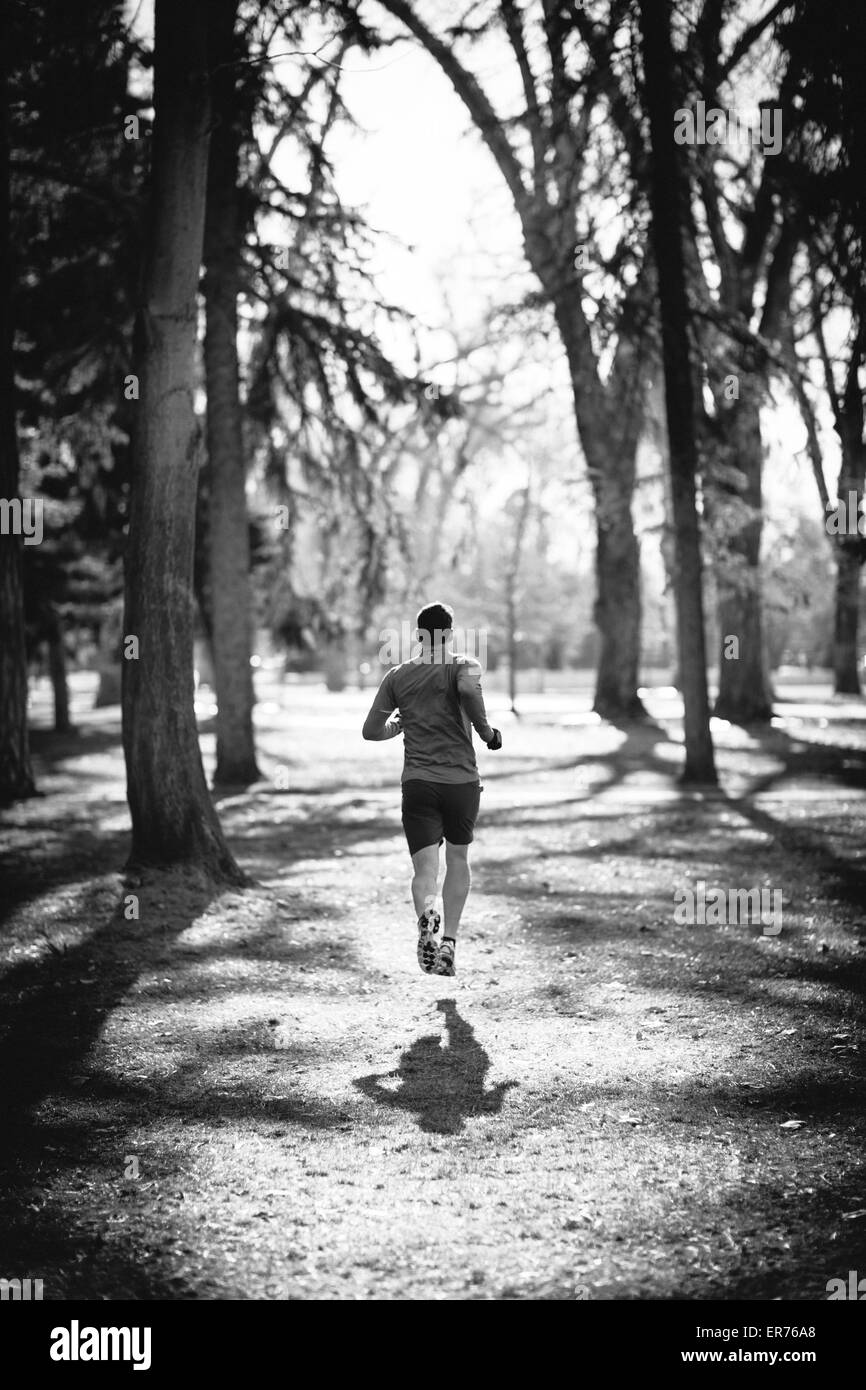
x=258 y=1095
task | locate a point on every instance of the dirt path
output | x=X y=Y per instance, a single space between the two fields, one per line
x=259 y=1095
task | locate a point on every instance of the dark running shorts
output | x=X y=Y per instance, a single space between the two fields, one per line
x=433 y=811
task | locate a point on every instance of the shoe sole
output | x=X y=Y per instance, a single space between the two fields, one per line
x=427 y=949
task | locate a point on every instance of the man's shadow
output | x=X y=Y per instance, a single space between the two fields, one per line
x=443 y=1086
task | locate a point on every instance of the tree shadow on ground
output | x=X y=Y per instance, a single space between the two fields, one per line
x=799 y=755
x=81 y=740
x=812 y=1246
x=52 y=1013
x=837 y=764
x=442 y=1086
x=77 y=852
x=261 y=843
x=790 y=1215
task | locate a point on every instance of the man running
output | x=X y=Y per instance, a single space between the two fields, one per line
x=435 y=700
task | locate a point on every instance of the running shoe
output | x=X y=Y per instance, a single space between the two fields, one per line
x=445 y=959
x=429 y=926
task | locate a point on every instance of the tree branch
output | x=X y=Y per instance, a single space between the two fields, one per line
x=534 y=119
x=473 y=97
x=750 y=36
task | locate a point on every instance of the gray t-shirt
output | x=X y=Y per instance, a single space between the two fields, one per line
x=437 y=730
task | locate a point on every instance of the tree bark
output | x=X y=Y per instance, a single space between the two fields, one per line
x=110 y=688
x=57 y=670
x=16 y=777
x=617 y=610
x=847 y=552
x=608 y=429
x=744 y=694
x=846 y=663
x=109 y=657
x=760 y=256
x=850 y=545
x=228 y=530
x=849 y=416
x=173 y=819
x=512 y=580
x=850 y=548
x=511 y=629
x=667 y=238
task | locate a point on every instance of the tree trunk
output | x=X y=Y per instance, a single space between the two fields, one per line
x=109 y=656
x=110 y=688
x=610 y=449
x=850 y=545
x=16 y=777
x=744 y=684
x=512 y=580
x=335 y=663
x=228 y=531
x=667 y=202
x=173 y=819
x=57 y=670
x=846 y=664
x=617 y=614
x=511 y=629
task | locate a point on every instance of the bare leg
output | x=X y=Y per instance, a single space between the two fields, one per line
x=426 y=864
x=455 y=889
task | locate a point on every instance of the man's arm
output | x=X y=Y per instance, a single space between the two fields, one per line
x=472 y=699
x=381 y=722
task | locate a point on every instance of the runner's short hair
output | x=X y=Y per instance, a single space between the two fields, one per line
x=436 y=617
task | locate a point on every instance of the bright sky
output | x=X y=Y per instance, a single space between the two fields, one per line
x=424 y=178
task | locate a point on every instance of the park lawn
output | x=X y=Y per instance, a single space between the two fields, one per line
x=257 y=1094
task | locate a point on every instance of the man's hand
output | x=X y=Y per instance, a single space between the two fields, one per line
x=393 y=726
x=495 y=742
